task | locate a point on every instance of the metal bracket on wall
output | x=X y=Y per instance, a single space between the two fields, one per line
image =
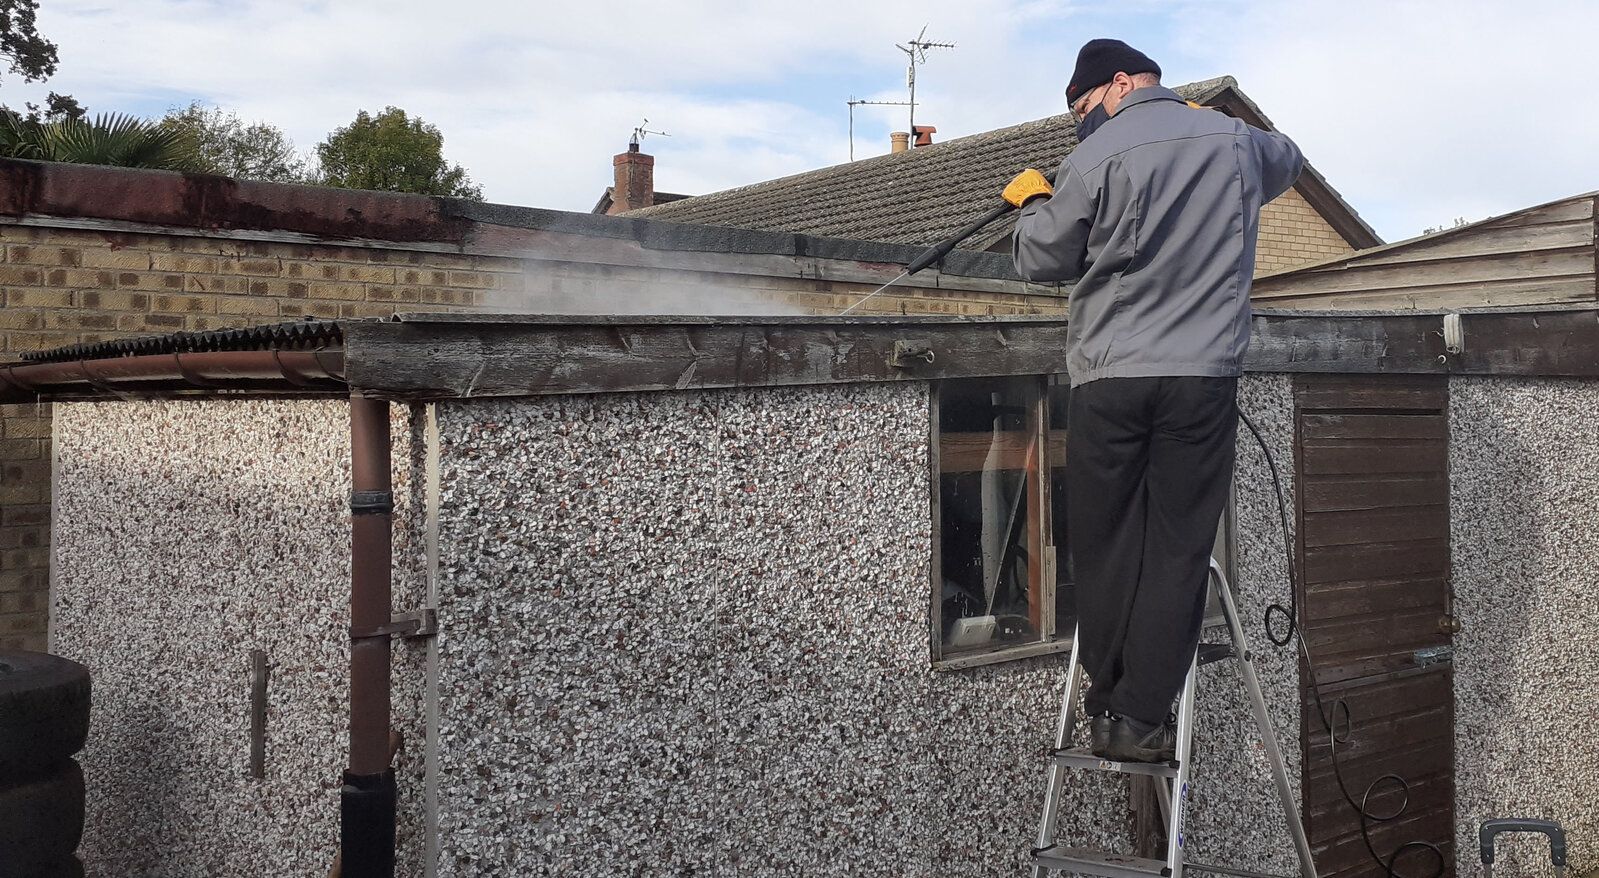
x=1434 y=655
x=417 y=623
x=906 y=351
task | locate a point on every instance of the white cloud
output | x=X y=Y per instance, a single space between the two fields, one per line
x=1417 y=112
x=1421 y=112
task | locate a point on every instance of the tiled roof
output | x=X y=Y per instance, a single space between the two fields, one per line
x=919 y=196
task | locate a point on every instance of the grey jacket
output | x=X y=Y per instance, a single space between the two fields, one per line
x=1155 y=218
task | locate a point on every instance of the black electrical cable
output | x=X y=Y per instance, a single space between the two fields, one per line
x=1329 y=720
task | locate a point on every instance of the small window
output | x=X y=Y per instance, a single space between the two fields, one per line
x=1002 y=584
x=1000 y=451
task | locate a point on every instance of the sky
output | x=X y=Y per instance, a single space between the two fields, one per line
x=1416 y=112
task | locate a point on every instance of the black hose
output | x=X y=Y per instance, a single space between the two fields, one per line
x=941 y=249
x=1329 y=720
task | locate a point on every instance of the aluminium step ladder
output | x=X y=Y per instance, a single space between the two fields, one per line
x=1171 y=778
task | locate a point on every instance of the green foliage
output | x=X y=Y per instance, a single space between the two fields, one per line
x=228 y=146
x=56 y=108
x=107 y=139
x=31 y=55
x=392 y=153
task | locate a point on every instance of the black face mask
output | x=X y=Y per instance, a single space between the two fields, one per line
x=1091 y=121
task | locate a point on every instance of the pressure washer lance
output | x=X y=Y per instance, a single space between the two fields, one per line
x=941 y=249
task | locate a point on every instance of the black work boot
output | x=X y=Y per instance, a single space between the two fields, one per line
x=1099 y=726
x=1134 y=741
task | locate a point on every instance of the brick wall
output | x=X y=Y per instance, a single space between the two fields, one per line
x=62 y=286
x=1293 y=233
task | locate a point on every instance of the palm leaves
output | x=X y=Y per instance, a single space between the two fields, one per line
x=107 y=139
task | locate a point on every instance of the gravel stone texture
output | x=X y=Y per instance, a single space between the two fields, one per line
x=187 y=533
x=680 y=634
x=1525 y=554
x=1235 y=818
x=687 y=634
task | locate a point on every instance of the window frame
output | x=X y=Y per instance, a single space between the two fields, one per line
x=1040 y=538
x=1051 y=642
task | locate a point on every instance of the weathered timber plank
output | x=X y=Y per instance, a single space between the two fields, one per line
x=1332 y=601
x=1485 y=269
x=1407 y=393
x=1393 y=635
x=1337 y=493
x=1562 y=211
x=1416 y=743
x=502 y=355
x=1351 y=456
x=1376 y=561
x=1397 y=524
x=1393 y=695
x=1485 y=241
x=1374 y=426
x=1575 y=289
x=1340 y=852
x=461 y=360
x=1564 y=343
x=1333 y=343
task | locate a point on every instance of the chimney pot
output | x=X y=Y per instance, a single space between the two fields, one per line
x=924 y=134
x=899 y=141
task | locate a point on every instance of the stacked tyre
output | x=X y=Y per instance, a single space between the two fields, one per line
x=44 y=720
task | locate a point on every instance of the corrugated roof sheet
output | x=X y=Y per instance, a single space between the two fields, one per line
x=919 y=196
x=297 y=336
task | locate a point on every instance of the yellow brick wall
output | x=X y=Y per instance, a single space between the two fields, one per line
x=67 y=286
x=1293 y=233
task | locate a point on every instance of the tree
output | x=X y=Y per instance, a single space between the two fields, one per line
x=392 y=153
x=33 y=56
x=107 y=139
x=228 y=146
x=56 y=108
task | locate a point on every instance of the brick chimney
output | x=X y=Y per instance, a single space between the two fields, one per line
x=899 y=141
x=635 y=180
x=924 y=134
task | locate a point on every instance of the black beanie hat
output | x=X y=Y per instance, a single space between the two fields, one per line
x=1100 y=61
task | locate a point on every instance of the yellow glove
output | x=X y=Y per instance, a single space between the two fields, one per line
x=1026 y=186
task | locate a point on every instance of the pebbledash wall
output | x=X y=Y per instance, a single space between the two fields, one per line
x=88 y=254
x=1522 y=459
x=683 y=632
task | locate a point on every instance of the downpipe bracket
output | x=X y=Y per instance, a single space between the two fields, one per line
x=409 y=626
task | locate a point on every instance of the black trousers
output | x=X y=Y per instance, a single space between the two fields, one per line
x=1149 y=463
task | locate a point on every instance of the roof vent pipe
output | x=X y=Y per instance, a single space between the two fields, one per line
x=900 y=141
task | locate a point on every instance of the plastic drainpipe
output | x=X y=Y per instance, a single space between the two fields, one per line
x=367 y=800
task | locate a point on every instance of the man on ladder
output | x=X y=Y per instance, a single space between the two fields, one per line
x=1154 y=215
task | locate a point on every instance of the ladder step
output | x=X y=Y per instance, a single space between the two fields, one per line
x=1084 y=861
x=1081 y=758
x=1215 y=652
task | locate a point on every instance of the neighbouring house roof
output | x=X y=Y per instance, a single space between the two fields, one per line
x=924 y=194
x=1540 y=255
x=605 y=202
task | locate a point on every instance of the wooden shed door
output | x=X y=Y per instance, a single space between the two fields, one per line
x=1373 y=533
